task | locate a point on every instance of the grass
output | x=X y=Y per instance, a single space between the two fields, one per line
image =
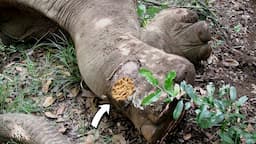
x=22 y=80
x=15 y=90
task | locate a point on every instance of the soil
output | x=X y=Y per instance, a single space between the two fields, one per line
x=239 y=46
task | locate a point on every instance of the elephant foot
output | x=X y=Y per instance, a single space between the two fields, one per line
x=178 y=31
x=128 y=88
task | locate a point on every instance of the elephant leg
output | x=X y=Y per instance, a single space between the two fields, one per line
x=110 y=54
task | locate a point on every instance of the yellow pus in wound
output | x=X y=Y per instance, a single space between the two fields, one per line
x=123 y=88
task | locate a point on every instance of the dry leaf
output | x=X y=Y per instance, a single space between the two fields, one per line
x=249 y=128
x=90 y=105
x=8 y=100
x=76 y=111
x=60 y=95
x=118 y=139
x=89 y=139
x=209 y=135
x=74 y=92
x=230 y=63
x=19 y=69
x=66 y=73
x=60 y=66
x=49 y=101
x=60 y=120
x=254 y=89
x=61 y=109
x=63 y=129
x=202 y=91
x=212 y=59
x=50 y=115
x=187 y=136
x=46 y=85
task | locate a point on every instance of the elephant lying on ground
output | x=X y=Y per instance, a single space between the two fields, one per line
x=110 y=48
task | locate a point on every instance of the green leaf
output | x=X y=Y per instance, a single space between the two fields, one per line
x=169 y=82
x=203 y=117
x=187 y=105
x=226 y=138
x=149 y=76
x=218 y=118
x=141 y=10
x=241 y=100
x=236 y=115
x=205 y=123
x=210 y=89
x=151 y=98
x=254 y=137
x=204 y=113
x=237 y=28
x=250 y=141
x=219 y=105
x=183 y=85
x=178 y=110
x=191 y=93
x=176 y=90
x=152 y=11
x=232 y=93
x=168 y=100
x=223 y=90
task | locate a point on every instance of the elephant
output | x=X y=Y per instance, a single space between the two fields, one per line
x=111 y=48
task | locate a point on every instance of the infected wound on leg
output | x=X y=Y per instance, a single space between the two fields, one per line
x=123 y=88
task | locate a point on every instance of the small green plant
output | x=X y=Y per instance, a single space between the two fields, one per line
x=147 y=12
x=218 y=108
x=237 y=28
x=169 y=87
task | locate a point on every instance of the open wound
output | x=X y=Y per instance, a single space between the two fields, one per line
x=123 y=88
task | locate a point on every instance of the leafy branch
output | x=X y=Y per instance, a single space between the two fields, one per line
x=218 y=108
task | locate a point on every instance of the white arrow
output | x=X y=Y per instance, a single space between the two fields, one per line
x=103 y=109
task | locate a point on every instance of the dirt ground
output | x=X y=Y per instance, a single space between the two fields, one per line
x=73 y=114
x=239 y=46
